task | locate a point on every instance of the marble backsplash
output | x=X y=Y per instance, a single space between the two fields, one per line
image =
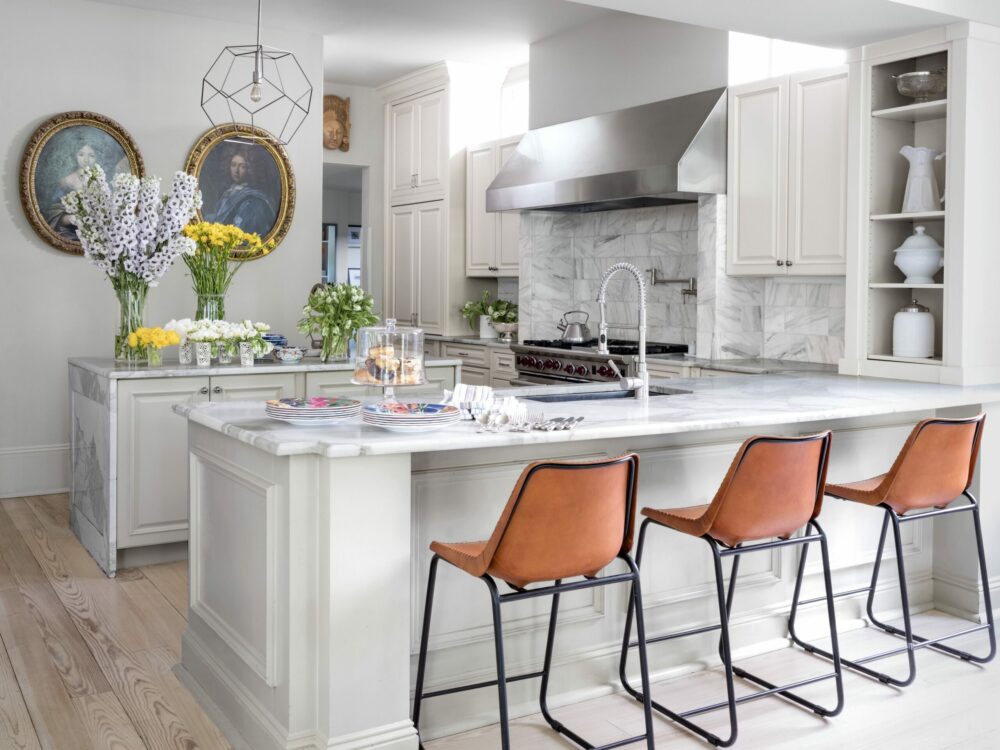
x=564 y=255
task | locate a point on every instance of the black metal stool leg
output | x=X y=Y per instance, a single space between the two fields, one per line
x=731 y=592
x=832 y=617
x=727 y=655
x=547 y=664
x=418 y=694
x=647 y=701
x=985 y=581
x=501 y=668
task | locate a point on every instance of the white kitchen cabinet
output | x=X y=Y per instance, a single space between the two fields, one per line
x=129 y=493
x=787 y=175
x=418 y=252
x=152 y=486
x=431 y=116
x=660 y=369
x=491 y=238
x=502 y=368
x=152 y=456
x=472 y=375
x=418 y=158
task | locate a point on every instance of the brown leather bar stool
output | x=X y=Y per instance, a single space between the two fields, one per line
x=774 y=487
x=934 y=468
x=563 y=520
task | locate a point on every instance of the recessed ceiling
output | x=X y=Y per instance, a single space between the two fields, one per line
x=369 y=42
x=829 y=23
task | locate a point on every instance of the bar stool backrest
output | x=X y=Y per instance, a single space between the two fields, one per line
x=565 y=519
x=773 y=488
x=936 y=463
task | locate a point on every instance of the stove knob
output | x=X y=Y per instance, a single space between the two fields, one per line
x=603 y=371
x=521 y=361
x=568 y=369
x=551 y=364
x=581 y=370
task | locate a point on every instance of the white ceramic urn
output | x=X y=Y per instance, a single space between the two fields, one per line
x=913 y=332
x=919 y=257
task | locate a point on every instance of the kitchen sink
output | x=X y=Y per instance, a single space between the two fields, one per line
x=655 y=390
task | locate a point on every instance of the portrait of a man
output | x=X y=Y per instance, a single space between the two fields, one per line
x=246 y=180
x=241 y=186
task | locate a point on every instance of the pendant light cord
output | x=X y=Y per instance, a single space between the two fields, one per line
x=258 y=22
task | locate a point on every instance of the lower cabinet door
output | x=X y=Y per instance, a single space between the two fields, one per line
x=253 y=387
x=475 y=375
x=152 y=457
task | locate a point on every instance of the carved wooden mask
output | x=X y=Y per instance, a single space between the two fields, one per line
x=336 y=123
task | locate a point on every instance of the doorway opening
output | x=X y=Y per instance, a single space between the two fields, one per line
x=343 y=224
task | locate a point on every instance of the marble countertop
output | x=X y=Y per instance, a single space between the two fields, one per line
x=757 y=366
x=469 y=340
x=108 y=368
x=710 y=404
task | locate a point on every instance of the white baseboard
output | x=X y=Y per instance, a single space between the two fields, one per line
x=34 y=470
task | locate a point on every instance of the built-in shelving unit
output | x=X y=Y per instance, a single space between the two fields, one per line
x=896 y=121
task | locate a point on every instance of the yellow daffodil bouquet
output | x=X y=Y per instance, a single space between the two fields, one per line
x=147 y=342
x=220 y=251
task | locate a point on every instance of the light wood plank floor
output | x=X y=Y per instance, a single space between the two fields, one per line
x=85 y=662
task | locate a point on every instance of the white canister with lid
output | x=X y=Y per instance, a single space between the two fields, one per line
x=913 y=332
x=919 y=257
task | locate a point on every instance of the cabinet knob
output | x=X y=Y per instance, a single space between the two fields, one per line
x=203 y=390
x=217 y=389
x=788 y=263
x=781 y=262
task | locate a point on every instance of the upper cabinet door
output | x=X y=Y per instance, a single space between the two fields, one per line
x=817 y=169
x=480 y=226
x=432 y=146
x=402 y=141
x=402 y=264
x=757 y=195
x=509 y=222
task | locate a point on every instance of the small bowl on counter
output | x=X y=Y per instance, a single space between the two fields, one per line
x=287 y=355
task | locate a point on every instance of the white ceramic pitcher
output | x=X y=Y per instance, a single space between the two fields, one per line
x=921 y=184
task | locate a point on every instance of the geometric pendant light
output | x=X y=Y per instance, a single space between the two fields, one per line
x=260 y=86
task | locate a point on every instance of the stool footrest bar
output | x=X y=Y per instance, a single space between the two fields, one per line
x=760 y=693
x=838 y=595
x=681 y=634
x=477 y=685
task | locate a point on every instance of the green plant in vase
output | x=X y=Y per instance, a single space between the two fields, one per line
x=335 y=312
x=495 y=311
x=220 y=251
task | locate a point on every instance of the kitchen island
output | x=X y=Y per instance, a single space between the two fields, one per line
x=309 y=551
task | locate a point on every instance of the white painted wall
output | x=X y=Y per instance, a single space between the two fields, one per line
x=367 y=150
x=343 y=207
x=142 y=68
x=622 y=61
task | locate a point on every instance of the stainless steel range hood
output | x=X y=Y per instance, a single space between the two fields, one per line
x=654 y=154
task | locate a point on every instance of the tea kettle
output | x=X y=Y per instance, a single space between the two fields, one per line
x=575 y=332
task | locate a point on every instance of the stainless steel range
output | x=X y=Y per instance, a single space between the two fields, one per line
x=543 y=362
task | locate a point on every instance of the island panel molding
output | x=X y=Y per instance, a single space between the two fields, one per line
x=52 y=166
x=246 y=179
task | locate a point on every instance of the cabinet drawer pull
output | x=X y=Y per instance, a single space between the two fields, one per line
x=217 y=389
x=203 y=390
x=781 y=262
x=788 y=263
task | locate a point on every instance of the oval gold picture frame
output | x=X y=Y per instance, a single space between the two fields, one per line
x=52 y=150
x=267 y=194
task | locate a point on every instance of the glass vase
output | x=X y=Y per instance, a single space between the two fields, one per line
x=334 y=347
x=131 y=313
x=246 y=354
x=185 y=355
x=225 y=355
x=154 y=358
x=211 y=307
x=203 y=353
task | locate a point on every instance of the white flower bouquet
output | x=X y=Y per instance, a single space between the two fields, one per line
x=133 y=234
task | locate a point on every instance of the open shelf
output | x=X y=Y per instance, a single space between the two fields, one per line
x=916 y=112
x=903 y=285
x=908 y=360
x=922 y=216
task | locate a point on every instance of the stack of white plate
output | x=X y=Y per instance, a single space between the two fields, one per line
x=313 y=411
x=412 y=417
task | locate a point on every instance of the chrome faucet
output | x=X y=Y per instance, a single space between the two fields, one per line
x=641 y=382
